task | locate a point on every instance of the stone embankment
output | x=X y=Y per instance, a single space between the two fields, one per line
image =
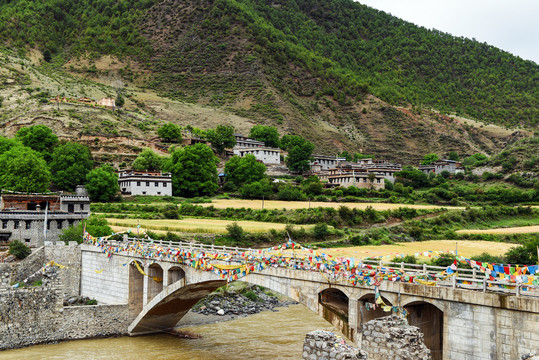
x=240 y=302
x=34 y=312
x=385 y=338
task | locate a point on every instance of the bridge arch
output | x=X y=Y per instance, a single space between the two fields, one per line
x=371 y=314
x=155 y=281
x=175 y=273
x=429 y=318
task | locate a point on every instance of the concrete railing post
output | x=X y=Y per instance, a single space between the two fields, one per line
x=473 y=273
x=455 y=281
x=517 y=290
x=402 y=266
x=425 y=269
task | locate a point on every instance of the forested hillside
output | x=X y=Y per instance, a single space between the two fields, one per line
x=344 y=47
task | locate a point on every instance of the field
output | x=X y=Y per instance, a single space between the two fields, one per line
x=465 y=248
x=190 y=225
x=291 y=205
x=510 y=230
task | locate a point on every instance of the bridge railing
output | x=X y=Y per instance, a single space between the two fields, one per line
x=470 y=279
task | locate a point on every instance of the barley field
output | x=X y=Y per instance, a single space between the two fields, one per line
x=509 y=230
x=291 y=205
x=190 y=225
x=465 y=248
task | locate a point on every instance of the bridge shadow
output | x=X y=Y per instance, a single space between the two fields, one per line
x=430 y=320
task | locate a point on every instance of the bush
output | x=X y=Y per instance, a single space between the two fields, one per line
x=408 y=259
x=320 y=231
x=19 y=250
x=235 y=232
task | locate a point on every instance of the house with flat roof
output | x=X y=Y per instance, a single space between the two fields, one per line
x=153 y=183
x=264 y=154
x=36 y=218
x=454 y=167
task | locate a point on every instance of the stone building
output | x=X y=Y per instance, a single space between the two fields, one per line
x=323 y=162
x=145 y=183
x=265 y=154
x=23 y=216
x=357 y=179
x=247 y=142
x=454 y=167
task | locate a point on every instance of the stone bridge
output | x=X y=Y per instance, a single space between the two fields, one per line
x=458 y=323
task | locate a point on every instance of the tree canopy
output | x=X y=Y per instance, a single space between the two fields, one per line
x=70 y=164
x=429 y=159
x=244 y=170
x=23 y=169
x=37 y=137
x=148 y=160
x=102 y=183
x=268 y=134
x=194 y=171
x=299 y=152
x=221 y=138
x=170 y=132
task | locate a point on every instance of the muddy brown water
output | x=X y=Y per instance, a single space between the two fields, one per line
x=267 y=335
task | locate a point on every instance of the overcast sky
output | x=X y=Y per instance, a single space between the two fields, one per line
x=511 y=25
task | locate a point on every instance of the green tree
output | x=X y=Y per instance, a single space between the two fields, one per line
x=256 y=190
x=39 y=138
x=320 y=231
x=19 y=250
x=23 y=169
x=244 y=170
x=194 y=171
x=345 y=154
x=268 y=134
x=235 y=232
x=70 y=164
x=119 y=100
x=429 y=159
x=102 y=183
x=96 y=225
x=299 y=153
x=8 y=143
x=412 y=176
x=148 y=160
x=221 y=138
x=170 y=132
x=453 y=155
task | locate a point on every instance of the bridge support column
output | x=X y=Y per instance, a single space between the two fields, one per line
x=353 y=319
x=145 y=292
x=165 y=277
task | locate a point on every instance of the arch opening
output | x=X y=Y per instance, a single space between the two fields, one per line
x=136 y=290
x=430 y=320
x=371 y=314
x=175 y=273
x=333 y=306
x=155 y=281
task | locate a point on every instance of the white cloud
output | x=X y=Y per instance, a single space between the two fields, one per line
x=508 y=25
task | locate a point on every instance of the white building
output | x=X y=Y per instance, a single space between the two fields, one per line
x=145 y=183
x=247 y=142
x=454 y=167
x=265 y=154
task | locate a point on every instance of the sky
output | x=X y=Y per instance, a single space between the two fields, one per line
x=511 y=25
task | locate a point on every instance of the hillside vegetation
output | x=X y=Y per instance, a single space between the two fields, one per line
x=338 y=48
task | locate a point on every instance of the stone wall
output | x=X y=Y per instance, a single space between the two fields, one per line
x=70 y=257
x=35 y=315
x=15 y=272
x=392 y=338
x=324 y=345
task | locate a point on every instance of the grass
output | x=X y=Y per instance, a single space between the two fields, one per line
x=203 y=226
x=277 y=204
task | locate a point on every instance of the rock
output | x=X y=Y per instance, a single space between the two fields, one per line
x=220 y=312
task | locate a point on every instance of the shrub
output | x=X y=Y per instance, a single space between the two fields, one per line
x=320 y=231
x=19 y=250
x=235 y=232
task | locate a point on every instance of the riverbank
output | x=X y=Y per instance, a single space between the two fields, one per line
x=234 y=301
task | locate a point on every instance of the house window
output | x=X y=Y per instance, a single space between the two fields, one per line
x=164 y=184
x=82 y=206
x=48 y=225
x=59 y=224
x=28 y=224
x=144 y=193
x=147 y=183
x=26 y=240
x=16 y=224
x=70 y=208
x=138 y=183
x=4 y=224
x=156 y=184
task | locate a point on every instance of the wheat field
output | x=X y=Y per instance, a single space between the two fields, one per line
x=510 y=230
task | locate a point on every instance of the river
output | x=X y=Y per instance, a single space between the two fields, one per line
x=267 y=335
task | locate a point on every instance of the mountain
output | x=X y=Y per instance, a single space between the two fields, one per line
x=344 y=75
